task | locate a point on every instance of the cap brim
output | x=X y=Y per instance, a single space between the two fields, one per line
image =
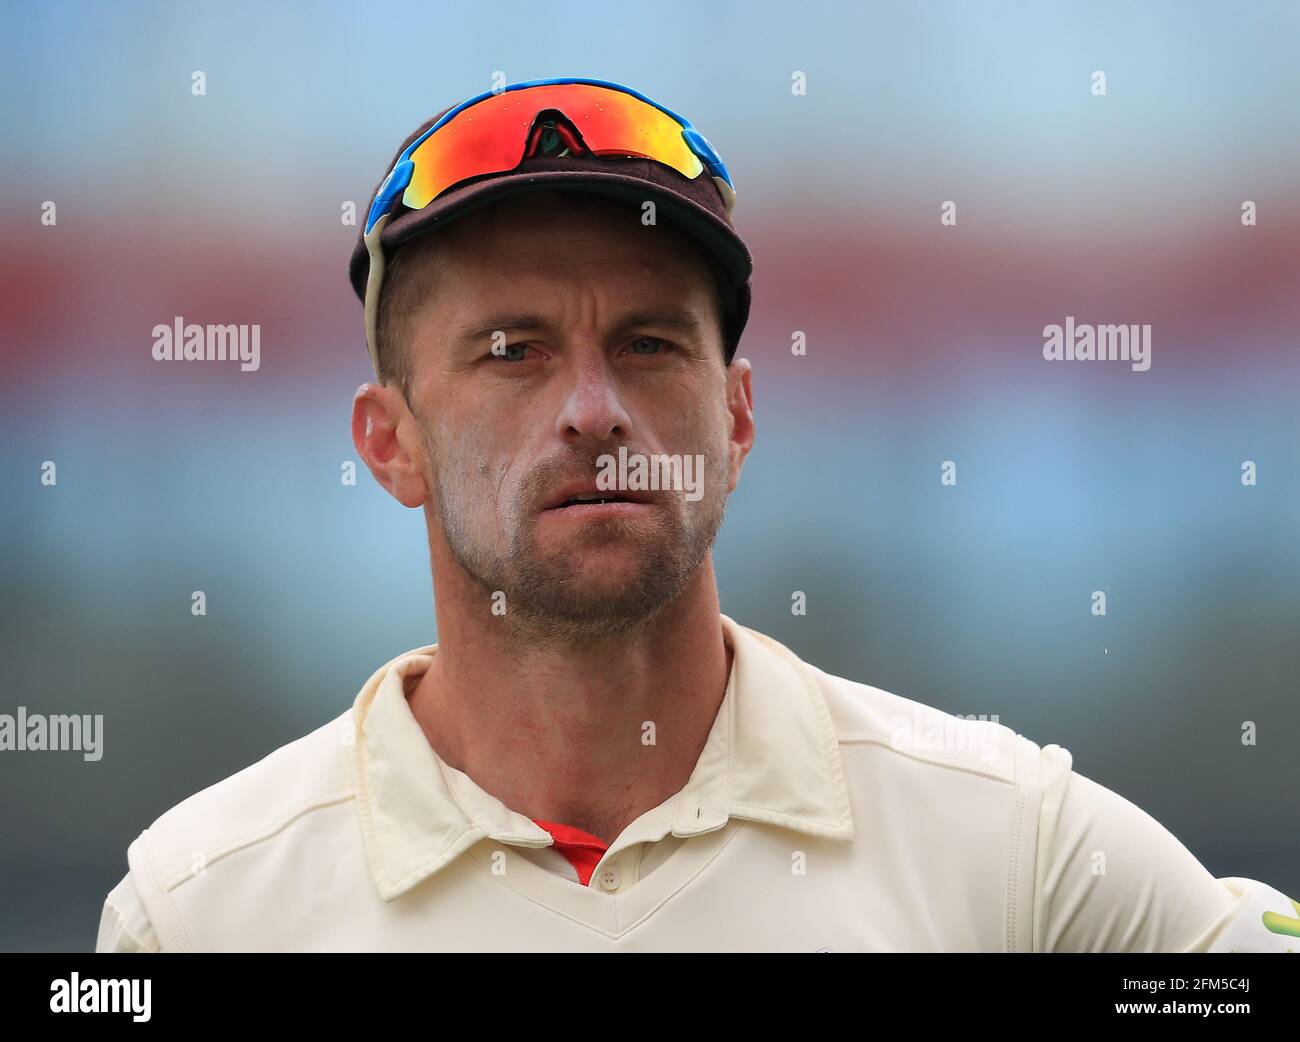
x=724 y=246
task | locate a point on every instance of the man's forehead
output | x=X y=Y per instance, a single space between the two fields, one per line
x=531 y=257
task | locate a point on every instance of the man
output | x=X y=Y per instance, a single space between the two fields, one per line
x=593 y=757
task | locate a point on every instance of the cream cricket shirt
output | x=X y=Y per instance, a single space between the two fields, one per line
x=822 y=814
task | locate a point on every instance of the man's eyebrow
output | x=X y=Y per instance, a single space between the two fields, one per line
x=670 y=317
x=675 y=318
x=511 y=322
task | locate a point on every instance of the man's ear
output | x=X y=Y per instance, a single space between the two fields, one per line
x=386 y=436
x=740 y=404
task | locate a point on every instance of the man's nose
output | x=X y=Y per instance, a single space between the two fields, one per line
x=593 y=409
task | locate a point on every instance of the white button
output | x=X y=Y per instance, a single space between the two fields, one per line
x=610 y=878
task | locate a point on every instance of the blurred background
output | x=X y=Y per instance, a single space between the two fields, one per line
x=924 y=345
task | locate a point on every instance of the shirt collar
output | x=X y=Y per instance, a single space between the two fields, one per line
x=772 y=756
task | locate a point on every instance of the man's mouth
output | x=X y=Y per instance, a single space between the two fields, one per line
x=574 y=501
x=584 y=497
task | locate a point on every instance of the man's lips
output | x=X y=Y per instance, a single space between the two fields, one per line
x=584 y=493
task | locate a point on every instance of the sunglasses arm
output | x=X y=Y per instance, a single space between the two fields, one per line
x=373 y=282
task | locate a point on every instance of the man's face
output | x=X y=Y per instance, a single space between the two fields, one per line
x=558 y=330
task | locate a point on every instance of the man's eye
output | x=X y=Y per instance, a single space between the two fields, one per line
x=511 y=352
x=647 y=345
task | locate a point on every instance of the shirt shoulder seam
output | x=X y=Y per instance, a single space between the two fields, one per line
x=992 y=773
x=263 y=834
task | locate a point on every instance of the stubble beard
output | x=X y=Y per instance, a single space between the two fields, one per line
x=548 y=600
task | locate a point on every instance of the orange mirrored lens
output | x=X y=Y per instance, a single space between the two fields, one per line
x=489 y=137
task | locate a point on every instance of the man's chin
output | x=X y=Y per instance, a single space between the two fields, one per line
x=599 y=589
x=602 y=573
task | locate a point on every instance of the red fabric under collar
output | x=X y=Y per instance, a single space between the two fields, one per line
x=581 y=849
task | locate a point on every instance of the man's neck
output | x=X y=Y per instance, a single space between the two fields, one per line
x=589 y=735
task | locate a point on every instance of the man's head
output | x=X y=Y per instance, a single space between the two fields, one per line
x=524 y=342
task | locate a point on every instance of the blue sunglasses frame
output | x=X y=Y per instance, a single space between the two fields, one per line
x=400 y=176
